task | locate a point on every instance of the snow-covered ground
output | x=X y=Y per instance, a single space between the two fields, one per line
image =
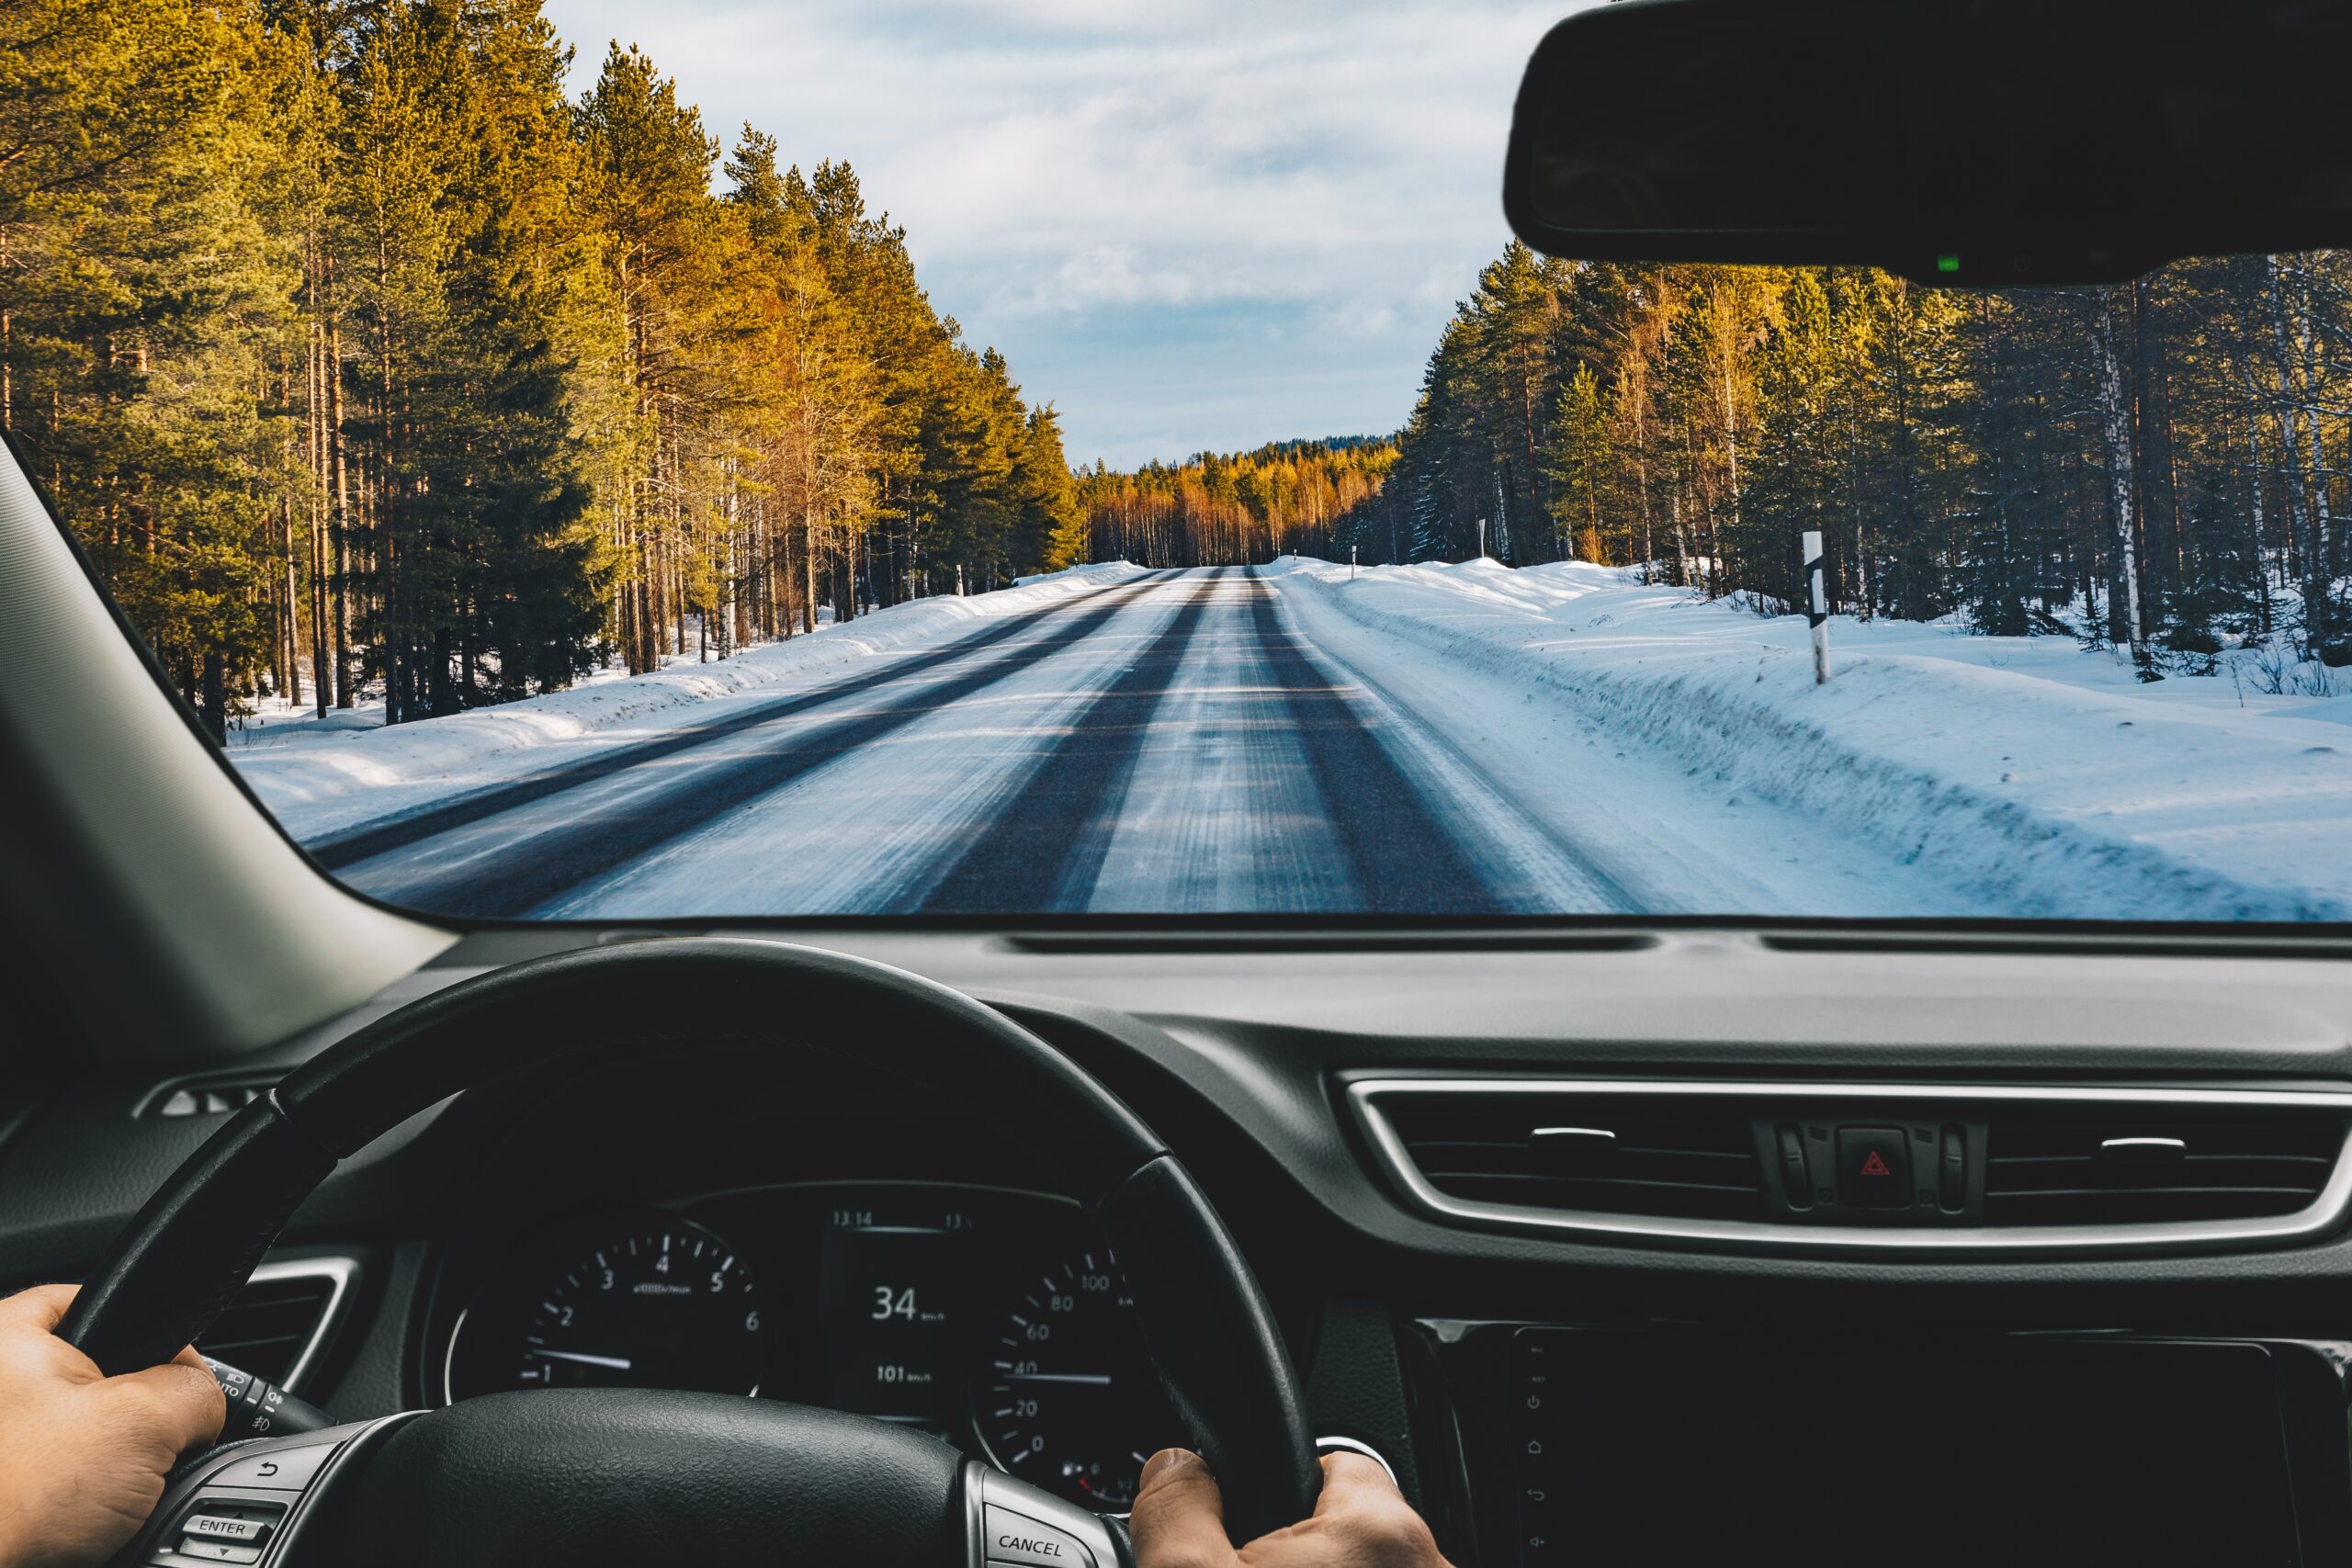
x=2026 y=774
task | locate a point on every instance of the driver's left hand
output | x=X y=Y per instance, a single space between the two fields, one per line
x=83 y=1456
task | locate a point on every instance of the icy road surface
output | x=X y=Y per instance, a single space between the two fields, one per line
x=1174 y=742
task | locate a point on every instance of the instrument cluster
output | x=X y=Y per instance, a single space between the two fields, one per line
x=995 y=1318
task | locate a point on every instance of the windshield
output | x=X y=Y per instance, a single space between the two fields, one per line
x=588 y=461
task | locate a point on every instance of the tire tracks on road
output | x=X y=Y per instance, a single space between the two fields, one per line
x=538 y=867
x=350 y=846
x=1401 y=857
x=1043 y=848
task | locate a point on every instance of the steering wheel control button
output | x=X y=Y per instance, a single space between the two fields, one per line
x=286 y=1469
x=223 y=1529
x=1017 y=1538
x=1874 y=1168
x=227 y=1527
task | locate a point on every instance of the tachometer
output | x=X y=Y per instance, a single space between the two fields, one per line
x=664 y=1304
x=1065 y=1395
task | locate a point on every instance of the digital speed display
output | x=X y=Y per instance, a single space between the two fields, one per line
x=893 y=1301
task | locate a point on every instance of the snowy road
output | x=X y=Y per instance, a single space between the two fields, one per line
x=1180 y=742
x=1167 y=745
x=1440 y=739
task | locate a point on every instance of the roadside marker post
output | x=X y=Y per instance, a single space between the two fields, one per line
x=1352 y=563
x=1817 y=612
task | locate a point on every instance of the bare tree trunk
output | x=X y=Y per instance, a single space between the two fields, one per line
x=2115 y=411
x=345 y=679
x=2262 y=580
x=809 y=569
x=322 y=653
x=2293 y=410
x=293 y=673
x=1682 y=536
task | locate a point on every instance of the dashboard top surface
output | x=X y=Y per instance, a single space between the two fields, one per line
x=1235 y=1051
x=1720 y=994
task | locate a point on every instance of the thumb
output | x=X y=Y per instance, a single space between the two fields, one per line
x=1178 y=1514
x=178 y=1403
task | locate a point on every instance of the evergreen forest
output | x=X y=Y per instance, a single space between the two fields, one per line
x=366 y=361
x=2162 y=464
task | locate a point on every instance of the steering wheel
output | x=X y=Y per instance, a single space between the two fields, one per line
x=627 y=1476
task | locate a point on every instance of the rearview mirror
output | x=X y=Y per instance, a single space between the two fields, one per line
x=1984 y=143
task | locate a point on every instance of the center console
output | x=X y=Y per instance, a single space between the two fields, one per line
x=1665 y=1446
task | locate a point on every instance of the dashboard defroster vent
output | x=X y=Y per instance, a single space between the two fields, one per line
x=2116 y=1166
x=1621 y=1155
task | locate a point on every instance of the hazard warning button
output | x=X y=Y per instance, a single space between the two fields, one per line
x=1873 y=1167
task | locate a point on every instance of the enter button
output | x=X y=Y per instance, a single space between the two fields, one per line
x=1873 y=1167
x=1016 y=1537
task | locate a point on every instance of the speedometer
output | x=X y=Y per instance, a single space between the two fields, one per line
x=1065 y=1395
x=662 y=1304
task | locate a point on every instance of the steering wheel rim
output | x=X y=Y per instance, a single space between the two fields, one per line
x=1204 y=1319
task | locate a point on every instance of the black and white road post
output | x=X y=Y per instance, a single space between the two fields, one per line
x=1817 y=610
x=1352 y=563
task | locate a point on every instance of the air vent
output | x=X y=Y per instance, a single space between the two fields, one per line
x=2125 y=1166
x=1606 y=1154
x=1810 y=1165
x=279 y=1324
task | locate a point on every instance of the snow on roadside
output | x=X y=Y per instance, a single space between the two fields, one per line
x=320 y=780
x=2041 y=778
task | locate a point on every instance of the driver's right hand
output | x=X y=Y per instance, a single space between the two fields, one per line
x=1360 y=1521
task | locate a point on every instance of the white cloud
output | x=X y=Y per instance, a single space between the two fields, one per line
x=1108 y=275
x=1188 y=223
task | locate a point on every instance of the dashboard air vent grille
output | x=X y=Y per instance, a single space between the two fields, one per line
x=2120 y=1165
x=1612 y=1155
x=269 y=1327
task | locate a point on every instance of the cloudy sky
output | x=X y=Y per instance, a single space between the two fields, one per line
x=1188 y=224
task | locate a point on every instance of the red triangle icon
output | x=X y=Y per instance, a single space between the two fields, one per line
x=1875 y=1165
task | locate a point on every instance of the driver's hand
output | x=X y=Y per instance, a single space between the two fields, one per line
x=1360 y=1521
x=83 y=1457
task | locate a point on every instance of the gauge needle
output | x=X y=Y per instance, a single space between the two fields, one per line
x=617 y=1363
x=1102 y=1379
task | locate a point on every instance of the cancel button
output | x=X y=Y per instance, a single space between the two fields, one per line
x=1016 y=1538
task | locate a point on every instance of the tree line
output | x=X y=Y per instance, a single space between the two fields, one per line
x=1294 y=496
x=2160 y=463
x=365 y=362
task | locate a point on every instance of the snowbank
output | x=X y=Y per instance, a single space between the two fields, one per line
x=2043 y=778
x=320 y=778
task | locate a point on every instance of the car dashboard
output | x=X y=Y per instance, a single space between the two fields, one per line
x=1643 y=1252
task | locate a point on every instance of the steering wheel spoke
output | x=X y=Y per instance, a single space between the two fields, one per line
x=1011 y=1524
x=252 y=1501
